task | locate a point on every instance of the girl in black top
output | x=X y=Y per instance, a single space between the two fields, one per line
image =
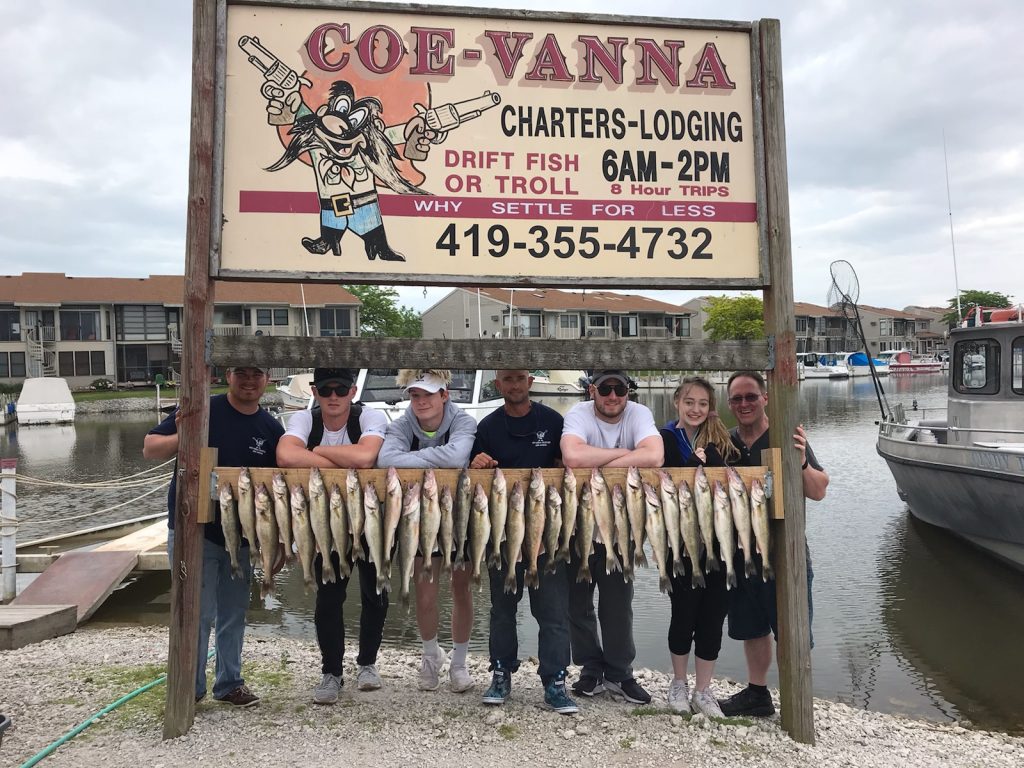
x=696 y=438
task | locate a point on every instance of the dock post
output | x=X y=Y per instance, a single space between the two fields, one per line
x=8 y=530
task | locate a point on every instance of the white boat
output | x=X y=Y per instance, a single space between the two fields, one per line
x=45 y=401
x=965 y=472
x=822 y=365
x=295 y=390
x=857 y=364
x=557 y=383
x=902 y=361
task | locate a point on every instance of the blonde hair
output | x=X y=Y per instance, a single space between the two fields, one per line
x=712 y=431
x=408 y=375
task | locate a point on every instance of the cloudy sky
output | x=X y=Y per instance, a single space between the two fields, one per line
x=94 y=153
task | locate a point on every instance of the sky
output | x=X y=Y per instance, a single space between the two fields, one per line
x=94 y=168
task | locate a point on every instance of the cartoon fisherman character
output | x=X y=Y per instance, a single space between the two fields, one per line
x=350 y=149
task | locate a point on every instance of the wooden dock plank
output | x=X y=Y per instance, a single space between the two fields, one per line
x=24 y=624
x=150 y=537
x=83 y=578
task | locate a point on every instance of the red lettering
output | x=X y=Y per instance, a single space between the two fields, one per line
x=508 y=57
x=667 y=63
x=710 y=65
x=369 y=45
x=316 y=46
x=551 y=59
x=430 y=51
x=611 y=61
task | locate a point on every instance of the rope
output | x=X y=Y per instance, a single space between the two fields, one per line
x=98 y=512
x=140 y=479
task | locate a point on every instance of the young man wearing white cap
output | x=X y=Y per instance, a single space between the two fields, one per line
x=434 y=432
x=608 y=430
x=339 y=434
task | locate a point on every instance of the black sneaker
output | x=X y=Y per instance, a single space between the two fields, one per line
x=588 y=685
x=240 y=697
x=630 y=690
x=750 y=702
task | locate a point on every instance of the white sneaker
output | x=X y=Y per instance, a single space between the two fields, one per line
x=430 y=670
x=706 y=703
x=679 y=696
x=459 y=680
x=368 y=679
x=328 y=689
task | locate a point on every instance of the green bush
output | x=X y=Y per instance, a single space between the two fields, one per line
x=102 y=385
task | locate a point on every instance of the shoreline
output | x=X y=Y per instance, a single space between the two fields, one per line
x=50 y=687
x=147 y=404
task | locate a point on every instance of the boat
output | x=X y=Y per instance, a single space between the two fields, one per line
x=556 y=383
x=857 y=364
x=45 y=401
x=903 y=362
x=965 y=473
x=295 y=390
x=820 y=365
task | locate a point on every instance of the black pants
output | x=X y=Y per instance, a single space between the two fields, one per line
x=698 y=614
x=611 y=655
x=330 y=619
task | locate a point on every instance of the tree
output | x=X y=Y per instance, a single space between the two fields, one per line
x=739 y=317
x=977 y=298
x=379 y=315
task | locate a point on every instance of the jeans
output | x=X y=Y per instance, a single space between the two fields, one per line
x=549 y=604
x=615 y=612
x=222 y=604
x=329 y=615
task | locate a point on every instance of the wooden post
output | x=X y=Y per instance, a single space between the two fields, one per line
x=794 y=653
x=194 y=402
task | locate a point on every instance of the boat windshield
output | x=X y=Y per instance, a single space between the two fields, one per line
x=380 y=386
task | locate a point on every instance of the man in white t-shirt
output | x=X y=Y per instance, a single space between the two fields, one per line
x=340 y=434
x=608 y=430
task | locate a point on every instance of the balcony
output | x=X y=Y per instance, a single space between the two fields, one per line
x=262 y=330
x=654 y=332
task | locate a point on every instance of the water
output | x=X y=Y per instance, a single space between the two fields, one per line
x=908 y=619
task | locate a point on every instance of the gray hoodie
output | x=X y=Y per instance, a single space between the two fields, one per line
x=432 y=451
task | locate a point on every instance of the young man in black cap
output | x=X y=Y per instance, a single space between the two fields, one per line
x=608 y=430
x=340 y=434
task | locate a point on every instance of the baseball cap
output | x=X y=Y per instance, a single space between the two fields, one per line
x=255 y=367
x=602 y=376
x=428 y=382
x=342 y=376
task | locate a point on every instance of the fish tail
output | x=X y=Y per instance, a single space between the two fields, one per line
x=697 y=580
x=665 y=584
x=730 y=580
x=236 y=571
x=641 y=558
x=266 y=588
x=627 y=573
x=749 y=568
x=584 y=574
x=510 y=582
x=767 y=572
x=710 y=563
x=531 y=578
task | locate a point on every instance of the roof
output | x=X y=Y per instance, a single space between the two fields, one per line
x=804 y=309
x=57 y=288
x=894 y=313
x=553 y=300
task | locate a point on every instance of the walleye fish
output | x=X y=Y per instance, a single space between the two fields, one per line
x=409 y=538
x=690 y=530
x=654 y=526
x=759 y=522
x=605 y=519
x=229 y=523
x=445 y=539
x=460 y=515
x=392 y=514
x=266 y=532
x=356 y=513
x=303 y=533
x=247 y=510
x=479 y=530
x=515 y=532
x=498 y=507
x=705 y=517
x=724 y=532
x=570 y=510
x=622 y=530
x=429 y=523
x=373 y=529
x=320 y=519
x=741 y=518
x=637 y=514
x=340 y=537
x=279 y=490
x=670 y=511
x=552 y=526
x=535 y=519
x=585 y=531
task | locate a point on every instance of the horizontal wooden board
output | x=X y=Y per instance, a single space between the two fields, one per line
x=22 y=625
x=83 y=578
x=488 y=354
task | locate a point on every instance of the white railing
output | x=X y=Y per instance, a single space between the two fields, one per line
x=264 y=330
x=42 y=359
x=653 y=332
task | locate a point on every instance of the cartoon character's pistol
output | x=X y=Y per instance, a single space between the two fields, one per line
x=448 y=116
x=279 y=79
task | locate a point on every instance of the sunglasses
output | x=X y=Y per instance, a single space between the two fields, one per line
x=621 y=390
x=748 y=398
x=337 y=389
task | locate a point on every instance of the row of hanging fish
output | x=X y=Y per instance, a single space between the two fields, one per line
x=475 y=529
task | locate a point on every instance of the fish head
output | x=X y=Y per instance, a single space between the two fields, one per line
x=597 y=483
x=685 y=494
x=536 y=484
x=278 y=483
x=447 y=502
x=244 y=480
x=263 y=495
x=499 y=479
x=735 y=481
x=586 y=494
x=351 y=480
x=700 y=479
x=430 y=484
x=720 y=492
x=633 y=479
x=756 y=491
x=651 y=496
x=554 y=497
x=226 y=496
x=479 y=497
x=411 y=500
x=618 y=495
x=394 y=484
x=516 y=495
x=298 y=498
x=316 y=481
x=569 y=480
x=666 y=481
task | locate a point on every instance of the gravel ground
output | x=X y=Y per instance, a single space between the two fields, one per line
x=50 y=687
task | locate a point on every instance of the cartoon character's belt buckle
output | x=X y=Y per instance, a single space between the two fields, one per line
x=342 y=204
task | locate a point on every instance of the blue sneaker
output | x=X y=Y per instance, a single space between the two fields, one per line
x=500 y=688
x=557 y=699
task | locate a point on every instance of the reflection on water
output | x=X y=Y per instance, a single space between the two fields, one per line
x=906 y=618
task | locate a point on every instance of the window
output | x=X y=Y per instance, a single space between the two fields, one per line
x=1017 y=382
x=335 y=322
x=801 y=325
x=597 y=321
x=628 y=326
x=10 y=326
x=82 y=363
x=569 y=322
x=229 y=314
x=142 y=322
x=272 y=316
x=529 y=324
x=79 y=324
x=12 y=365
x=976 y=366
x=885 y=327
